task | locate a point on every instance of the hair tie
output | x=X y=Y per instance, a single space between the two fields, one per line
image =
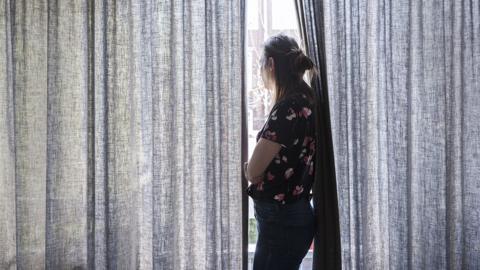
x=295 y=51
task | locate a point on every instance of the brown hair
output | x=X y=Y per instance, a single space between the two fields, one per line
x=290 y=64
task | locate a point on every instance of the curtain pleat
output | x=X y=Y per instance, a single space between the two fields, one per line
x=120 y=134
x=327 y=246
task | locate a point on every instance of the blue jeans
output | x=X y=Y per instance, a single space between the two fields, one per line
x=285 y=233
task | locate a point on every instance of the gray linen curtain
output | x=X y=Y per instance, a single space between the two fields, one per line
x=120 y=134
x=327 y=252
x=404 y=89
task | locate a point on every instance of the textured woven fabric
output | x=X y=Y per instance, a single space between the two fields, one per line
x=120 y=134
x=404 y=90
x=327 y=251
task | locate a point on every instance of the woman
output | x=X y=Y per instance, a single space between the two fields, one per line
x=281 y=168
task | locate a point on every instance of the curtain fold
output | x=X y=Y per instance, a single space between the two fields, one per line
x=120 y=134
x=327 y=246
x=404 y=88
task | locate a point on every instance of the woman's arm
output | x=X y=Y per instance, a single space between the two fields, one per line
x=262 y=155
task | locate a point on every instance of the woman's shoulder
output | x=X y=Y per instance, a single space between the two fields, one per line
x=292 y=99
x=292 y=106
x=295 y=101
x=285 y=106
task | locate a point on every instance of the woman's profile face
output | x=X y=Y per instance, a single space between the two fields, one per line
x=266 y=72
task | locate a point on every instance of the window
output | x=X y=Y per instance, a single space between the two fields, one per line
x=264 y=18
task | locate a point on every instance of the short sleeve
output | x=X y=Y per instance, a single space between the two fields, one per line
x=283 y=124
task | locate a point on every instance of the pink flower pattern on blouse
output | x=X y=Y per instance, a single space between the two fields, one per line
x=279 y=197
x=298 y=190
x=270 y=135
x=270 y=176
x=288 y=173
x=290 y=121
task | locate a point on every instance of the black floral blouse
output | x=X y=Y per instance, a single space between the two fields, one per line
x=290 y=175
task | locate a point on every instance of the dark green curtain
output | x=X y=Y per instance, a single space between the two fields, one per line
x=327 y=250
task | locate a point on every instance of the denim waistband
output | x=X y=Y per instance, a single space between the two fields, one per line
x=279 y=204
x=298 y=213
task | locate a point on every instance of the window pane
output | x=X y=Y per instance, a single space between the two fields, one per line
x=264 y=19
